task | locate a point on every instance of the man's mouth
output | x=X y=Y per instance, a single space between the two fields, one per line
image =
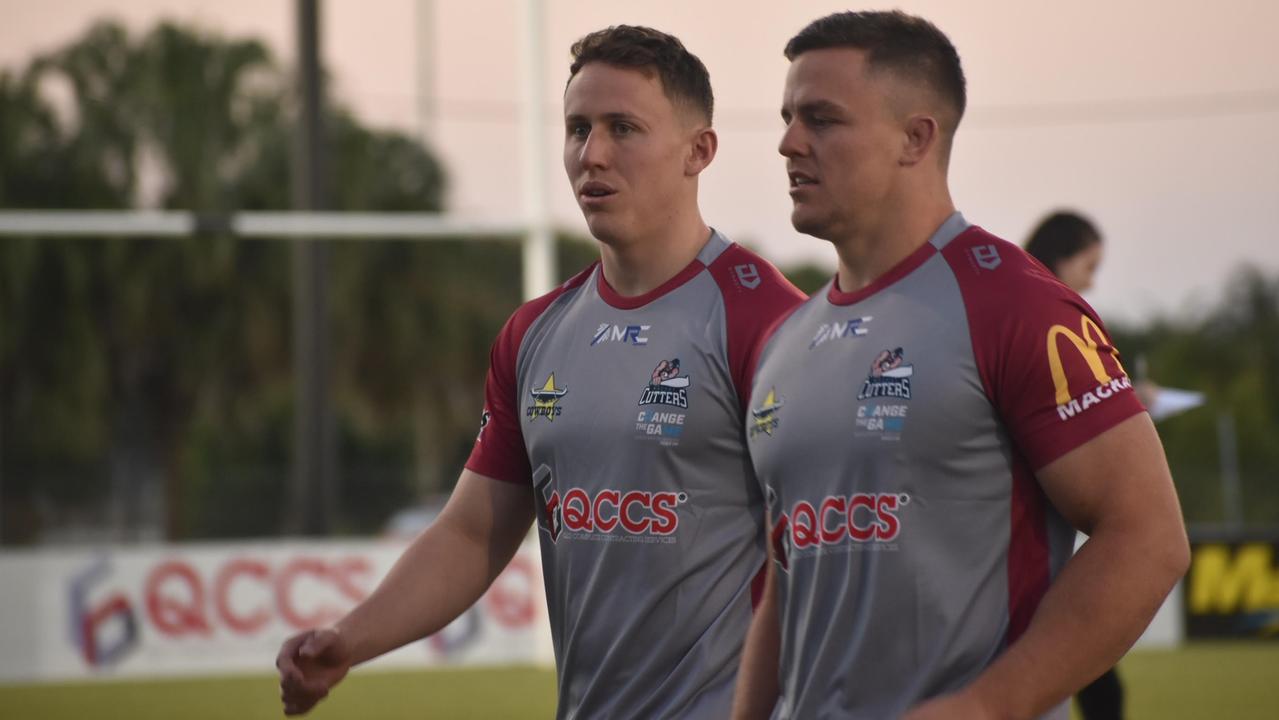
x=799 y=179
x=596 y=189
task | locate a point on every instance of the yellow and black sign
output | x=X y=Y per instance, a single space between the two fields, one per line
x=1232 y=589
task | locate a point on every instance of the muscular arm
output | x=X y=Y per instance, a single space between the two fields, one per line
x=757 y=684
x=445 y=569
x=1117 y=489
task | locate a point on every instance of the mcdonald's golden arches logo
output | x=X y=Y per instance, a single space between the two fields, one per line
x=1088 y=343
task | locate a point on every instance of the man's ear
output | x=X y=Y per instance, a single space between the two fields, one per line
x=922 y=135
x=701 y=151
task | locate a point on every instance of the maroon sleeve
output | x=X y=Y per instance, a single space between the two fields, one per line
x=499 y=448
x=756 y=298
x=1045 y=359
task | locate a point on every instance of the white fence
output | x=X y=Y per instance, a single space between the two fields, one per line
x=203 y=609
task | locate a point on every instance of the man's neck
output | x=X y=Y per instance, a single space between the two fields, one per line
x=868 y=253
x=641 y=265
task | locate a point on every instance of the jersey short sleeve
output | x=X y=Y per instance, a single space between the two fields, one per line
x=499 y=450
x=1044 y=356
x=757 y=297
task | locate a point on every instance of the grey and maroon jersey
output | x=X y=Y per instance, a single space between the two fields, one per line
x=896 y=432
x=626 y=415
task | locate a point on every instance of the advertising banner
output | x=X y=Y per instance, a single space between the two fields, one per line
x=225 y=608
x=1232 y=589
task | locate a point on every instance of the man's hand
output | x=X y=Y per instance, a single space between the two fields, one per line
x=310 y=664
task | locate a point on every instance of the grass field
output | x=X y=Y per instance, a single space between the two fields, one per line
x=1237 y=681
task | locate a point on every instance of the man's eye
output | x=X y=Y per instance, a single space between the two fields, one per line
x=622 y=129
x=579 y=131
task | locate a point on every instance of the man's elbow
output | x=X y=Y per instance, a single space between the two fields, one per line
x=1178 y=560
x=1169 y=551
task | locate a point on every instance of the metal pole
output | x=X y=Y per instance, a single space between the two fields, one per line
x=312 y=486
x=1 y=471
x=426 y=71
x=539 y=248
x=1228 y=449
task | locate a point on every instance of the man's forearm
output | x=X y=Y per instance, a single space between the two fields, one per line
x=1092 y=614
x=438 y=577
x=757 y=683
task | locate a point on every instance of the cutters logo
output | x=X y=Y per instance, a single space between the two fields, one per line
x=889 y=377
x=607 y=332
x=666 y=386
x=1088 y=344
x=545 y=400
x=91 y=621
x=608 y=515
x=858 y=521
x=835 y=331
x=764 y=418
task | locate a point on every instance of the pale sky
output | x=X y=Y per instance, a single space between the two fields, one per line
x=1157 y=118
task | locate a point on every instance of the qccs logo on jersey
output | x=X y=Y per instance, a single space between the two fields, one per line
x=608 y=514
x=861 y=519
x=550 y=518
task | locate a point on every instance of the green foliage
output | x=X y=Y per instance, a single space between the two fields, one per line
x=127 y=359
x=133 y=368
x=1232 y=356
x=808 y=278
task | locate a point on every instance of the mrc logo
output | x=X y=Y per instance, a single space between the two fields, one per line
x=1088 y=343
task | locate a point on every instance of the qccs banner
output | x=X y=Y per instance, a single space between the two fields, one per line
x=225 y=608
x=1232 y=589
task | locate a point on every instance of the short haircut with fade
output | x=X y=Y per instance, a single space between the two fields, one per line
x=895 y=42
x=684 y=78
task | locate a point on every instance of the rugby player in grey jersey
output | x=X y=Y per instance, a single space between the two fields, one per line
x=931 y=427
x=613 y=416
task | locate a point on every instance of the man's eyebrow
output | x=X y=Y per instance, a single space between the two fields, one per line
x=818 y=106
x=812 y=107
x=613 y=116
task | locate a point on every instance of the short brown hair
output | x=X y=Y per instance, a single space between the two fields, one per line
x=684 y=78
x=896 y=42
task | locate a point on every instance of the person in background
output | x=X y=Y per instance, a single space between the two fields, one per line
x=1069 y=245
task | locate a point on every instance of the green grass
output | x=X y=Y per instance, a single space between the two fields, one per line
x=1203 y=680
x=466 y=695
